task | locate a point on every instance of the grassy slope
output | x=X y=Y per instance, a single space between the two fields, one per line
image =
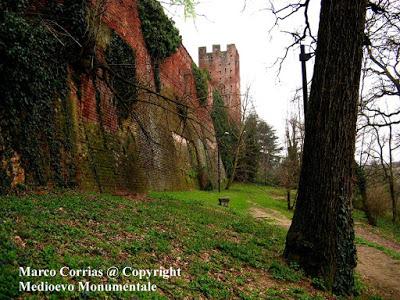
x=223 y=253
x=385 y=226
x=242 y=196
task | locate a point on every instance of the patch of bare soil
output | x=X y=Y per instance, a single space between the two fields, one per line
x=377 y=269
x=270 y=215
x=365 y=232
x=256 y=279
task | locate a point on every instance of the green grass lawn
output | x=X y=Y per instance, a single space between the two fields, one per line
x=242 y=197
x=223 y=253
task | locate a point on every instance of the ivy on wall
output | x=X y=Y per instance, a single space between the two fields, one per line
x=33 y=76
x=38 y=48
x=120 y=58
x=226 y=142
x=71 y=16
x=160 y=34
x=201 y=78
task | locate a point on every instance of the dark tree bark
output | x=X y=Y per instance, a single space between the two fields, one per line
x=362 y=187
x=321 y=237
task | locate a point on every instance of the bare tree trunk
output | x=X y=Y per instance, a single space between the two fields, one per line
x=393 y=197
x=387 y=168
x=265 y=171
x=391 y=178
x=289 y=206
x=321 y=237
x=242 y=126
x=362 y=187
x=266 y=164
x=236 y=159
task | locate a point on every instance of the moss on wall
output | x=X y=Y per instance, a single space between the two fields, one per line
x=201 y=78
x=76 y=141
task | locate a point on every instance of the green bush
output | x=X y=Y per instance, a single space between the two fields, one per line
x=33 y=75
x=201 y=78
x=160 y=34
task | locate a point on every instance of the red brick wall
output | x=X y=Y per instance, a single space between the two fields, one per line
x=176 y=74
x=120 y=155
x=122 y=16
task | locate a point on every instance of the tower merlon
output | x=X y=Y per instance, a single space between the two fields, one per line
x=202 y=51
x=216 y=48
x=224 y=70
x=231 y=47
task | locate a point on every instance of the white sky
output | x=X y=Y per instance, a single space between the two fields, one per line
x=224 y=22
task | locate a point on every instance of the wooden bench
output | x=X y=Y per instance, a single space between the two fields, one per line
x=223 y=201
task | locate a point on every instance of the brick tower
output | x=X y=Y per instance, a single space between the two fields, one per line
x=223 y=67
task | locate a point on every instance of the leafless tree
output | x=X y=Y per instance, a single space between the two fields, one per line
x=246 y=104
x=381 y=77
x=383 y=152
x=379 y=114
x=290 y=166
x=325 y=186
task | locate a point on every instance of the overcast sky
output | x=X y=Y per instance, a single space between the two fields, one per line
x=224 y=22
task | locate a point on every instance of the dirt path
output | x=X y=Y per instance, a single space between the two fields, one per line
x=365 y=232
x=377 y=269
x=271 y=215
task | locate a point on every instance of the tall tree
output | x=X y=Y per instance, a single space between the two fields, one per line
x=321 y=237
x=226 y=132
x=250 y=155
x=387 y=165
x=361 y=182
x=246 y=104
x=260 y=151
x=290 y=166
x=269 y=150
x=382 y=68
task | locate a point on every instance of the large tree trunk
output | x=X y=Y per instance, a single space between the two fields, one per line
x=321 y=237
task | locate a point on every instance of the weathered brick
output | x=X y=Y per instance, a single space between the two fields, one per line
x=155 y=150
x=122 y=156
x=224 y=70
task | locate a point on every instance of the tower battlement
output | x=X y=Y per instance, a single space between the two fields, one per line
x=224 y=70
